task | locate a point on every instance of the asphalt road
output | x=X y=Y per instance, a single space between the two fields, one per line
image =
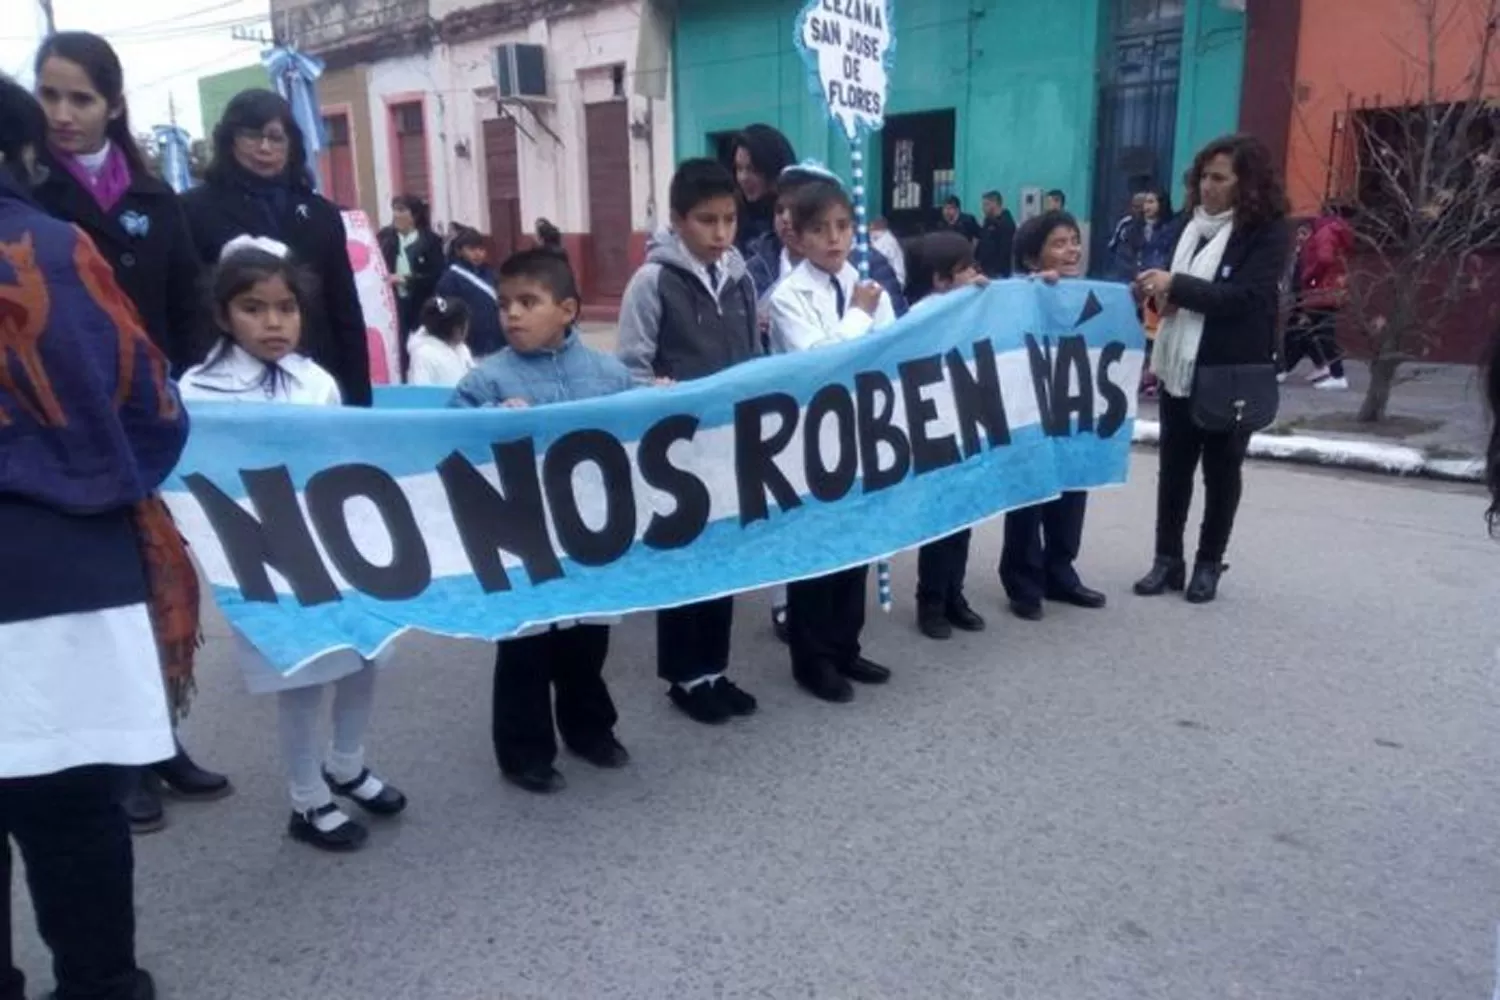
x=1289 y=795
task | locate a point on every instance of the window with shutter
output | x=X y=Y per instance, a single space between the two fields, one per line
x=410 y=138
x=336 y=163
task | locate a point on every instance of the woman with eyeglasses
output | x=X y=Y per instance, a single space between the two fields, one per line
x=96 y=179
x=258 y=185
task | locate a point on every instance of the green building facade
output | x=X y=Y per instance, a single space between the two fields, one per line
x=216 y=91
x=1094 y=97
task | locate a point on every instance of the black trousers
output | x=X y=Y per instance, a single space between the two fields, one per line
x=1041 y=545
x=941 y=567
x=1313 y=334
x=693 y=641
x=1183 y=444
x=824 y=618
x=79 y=866
x=527 y=670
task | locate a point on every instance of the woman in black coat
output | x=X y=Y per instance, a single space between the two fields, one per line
x=414 y=257
x=258 y=185
x=97 y=180
x=1219 y=307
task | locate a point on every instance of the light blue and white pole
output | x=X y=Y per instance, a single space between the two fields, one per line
x=862 y=262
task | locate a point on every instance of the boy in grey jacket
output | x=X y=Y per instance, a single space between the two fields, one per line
x=545 y=363
x=689 y=312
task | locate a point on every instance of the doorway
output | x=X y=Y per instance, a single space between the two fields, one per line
x=1137 y=114
x=607 y=138
x=503 y=182
x=916 y=158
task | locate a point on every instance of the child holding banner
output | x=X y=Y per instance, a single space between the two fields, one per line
x=690 y=312
x=821 y=303
x=259 y=299
x=546 y=363
x=940 y=262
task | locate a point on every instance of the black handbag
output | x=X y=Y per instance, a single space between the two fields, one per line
x=1235 y=399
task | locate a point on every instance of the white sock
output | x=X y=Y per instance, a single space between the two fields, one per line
x=345 y=767
x=697 y=681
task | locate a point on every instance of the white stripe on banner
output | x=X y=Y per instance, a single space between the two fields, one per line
x=702 y=457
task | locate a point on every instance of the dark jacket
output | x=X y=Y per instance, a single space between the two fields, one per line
x=997 y=240
x=672 y=325
x=153 y=259
x=1137 y=246
x=486 y=335
x=964 y=225
x=428 y=262
x=1240 y=305
x=764 y=266
x=334 y=334
x=93 y=429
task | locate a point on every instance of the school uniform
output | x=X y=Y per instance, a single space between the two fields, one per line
x=144 y=236
x=565 y=657
x=826 y=614
x=683 y=319
x=437 y=362
x=475 y=288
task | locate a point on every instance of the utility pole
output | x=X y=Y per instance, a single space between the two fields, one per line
x=48 y=14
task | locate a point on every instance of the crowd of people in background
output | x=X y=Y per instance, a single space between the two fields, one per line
x=759 y=258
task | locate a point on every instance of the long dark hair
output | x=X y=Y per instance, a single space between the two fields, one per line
x=22 y=127
x=1259 y=197
x=255 y=109
x=1492 y=454
x=940 y=254
x=239 y=271
x=98 y=60
x=421 y=215
x=770 y=152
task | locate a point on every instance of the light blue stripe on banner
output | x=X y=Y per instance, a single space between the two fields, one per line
x=817 y=539
x=411 y=397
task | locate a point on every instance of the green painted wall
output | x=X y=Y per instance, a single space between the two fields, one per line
x=1021 y=74
x=215 y=92
x=1213 y=70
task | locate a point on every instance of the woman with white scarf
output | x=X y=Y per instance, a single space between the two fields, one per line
x=1219 y=307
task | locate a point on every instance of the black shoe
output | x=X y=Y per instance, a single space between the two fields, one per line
x=607 y=753
x=544 y=779
x=1027 y=612
x=387 y=802
x=141 y=799
x=933 y=622
x=1166 y=574
x=1204 y=586
x=701 y=703
x=734 y=698
x=346 y=836
x=185 y=779
x=1080 y=597
x=963 y=617
x=778 y=623
x=144 y=987
x=826 y=683
x=863 y=671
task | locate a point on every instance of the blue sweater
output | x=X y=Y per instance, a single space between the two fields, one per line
x=572 y=371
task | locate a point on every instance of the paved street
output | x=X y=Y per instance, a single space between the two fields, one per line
x=1290 y=795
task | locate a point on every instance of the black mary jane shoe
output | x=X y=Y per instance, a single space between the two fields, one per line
x=962 y=617
x=1166 y=574
x=185 y=779
x=608 y=754
x=387 y=802
x=544 y=779
x=1204 y=586
x=933 y=622
x=346 y=836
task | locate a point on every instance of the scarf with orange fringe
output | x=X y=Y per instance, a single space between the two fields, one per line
x=174 y=600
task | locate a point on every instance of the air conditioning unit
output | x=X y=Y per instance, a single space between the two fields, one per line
x=521 y=72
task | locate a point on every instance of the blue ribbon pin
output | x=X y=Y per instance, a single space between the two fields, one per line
x=136 y=224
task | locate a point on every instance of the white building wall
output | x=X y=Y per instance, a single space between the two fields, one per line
x=458 y=82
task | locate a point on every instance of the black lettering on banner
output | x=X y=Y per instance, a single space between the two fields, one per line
x=876 y=426
x=1039 y=352
x=683 y=526
x=410 y=570
x=276 y=536
x=582 y=543
x=927 y=453
x=978 y=398
x=755 y=468
x=826 y=484
x=511 y=519
x=1116 y=402
x=1072 y=370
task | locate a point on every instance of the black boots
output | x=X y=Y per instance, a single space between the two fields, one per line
x=140 y=797
x=141 y=789
x=1166 y=574
x=186 y=780
x=1204 y=586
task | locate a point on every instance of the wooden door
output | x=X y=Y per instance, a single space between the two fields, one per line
x=608 y=128
x=503 y=181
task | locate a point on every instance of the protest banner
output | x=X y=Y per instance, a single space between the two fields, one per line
x=371 y=282
x=324 y=528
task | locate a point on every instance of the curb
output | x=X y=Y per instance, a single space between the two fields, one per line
x=1365 y=456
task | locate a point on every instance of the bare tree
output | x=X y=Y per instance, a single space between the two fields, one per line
x=1421 y=189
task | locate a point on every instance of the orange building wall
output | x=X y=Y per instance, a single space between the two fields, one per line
x=1368 y=49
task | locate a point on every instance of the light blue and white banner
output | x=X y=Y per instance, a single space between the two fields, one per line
x=324 y=528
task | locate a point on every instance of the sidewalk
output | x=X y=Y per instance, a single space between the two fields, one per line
x=1436 y=425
